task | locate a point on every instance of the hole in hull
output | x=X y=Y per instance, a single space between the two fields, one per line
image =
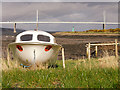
x=19 y=47
x=47 y=48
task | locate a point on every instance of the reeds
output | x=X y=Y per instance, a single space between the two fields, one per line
x=11 y=64
x=15 y=64
x=108 y=61
x=105 y=62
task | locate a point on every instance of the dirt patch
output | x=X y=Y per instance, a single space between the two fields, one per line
x=75 y=45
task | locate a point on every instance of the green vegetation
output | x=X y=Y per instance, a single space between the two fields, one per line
x=94 y=31
x=117 y=30
x=100 y=73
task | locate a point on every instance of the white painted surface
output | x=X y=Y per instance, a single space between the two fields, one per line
x=34 y=50
x=60 y=22
x=35 y=33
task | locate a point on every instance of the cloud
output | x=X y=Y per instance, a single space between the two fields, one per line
x=60 y=0
x=72 y=11
x=31 y=0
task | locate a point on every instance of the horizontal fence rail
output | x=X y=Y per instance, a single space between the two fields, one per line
x=88 y=46
x=103 y=44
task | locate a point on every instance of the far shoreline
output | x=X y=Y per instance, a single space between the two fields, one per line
x=84 y=34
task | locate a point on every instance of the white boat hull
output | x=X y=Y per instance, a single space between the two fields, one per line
x=35 y=53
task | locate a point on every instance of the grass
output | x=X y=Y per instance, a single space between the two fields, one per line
x=84 y=32
x=99 y=73
x=92 y=32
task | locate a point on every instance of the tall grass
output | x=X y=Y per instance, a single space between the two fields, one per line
x=15 y=64
x=9 y=65
x=105 y=62
x=0 y=75
x=97 y=73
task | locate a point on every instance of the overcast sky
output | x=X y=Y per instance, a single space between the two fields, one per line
x=60 y=11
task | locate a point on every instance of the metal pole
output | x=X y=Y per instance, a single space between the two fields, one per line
x=37 y=21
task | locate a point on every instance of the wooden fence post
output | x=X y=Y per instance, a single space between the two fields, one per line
x=116 y=48
x=89 y=55
x=89 y=51
x=63 y=57
x=8 y=57
x=96 y=51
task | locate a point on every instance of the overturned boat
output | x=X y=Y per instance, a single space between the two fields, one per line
x=34 y=47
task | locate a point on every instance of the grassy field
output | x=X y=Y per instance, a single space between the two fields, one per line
x=91 y=32
x=99 y=73
x=87 y=33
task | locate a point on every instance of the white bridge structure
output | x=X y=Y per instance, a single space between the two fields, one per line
x=104 y=22
x=61 y=22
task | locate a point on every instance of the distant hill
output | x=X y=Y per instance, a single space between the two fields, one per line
x=9 y=31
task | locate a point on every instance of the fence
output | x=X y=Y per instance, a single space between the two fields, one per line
x=101 y=44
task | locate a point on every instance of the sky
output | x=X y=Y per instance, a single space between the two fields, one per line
x=57 y=10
